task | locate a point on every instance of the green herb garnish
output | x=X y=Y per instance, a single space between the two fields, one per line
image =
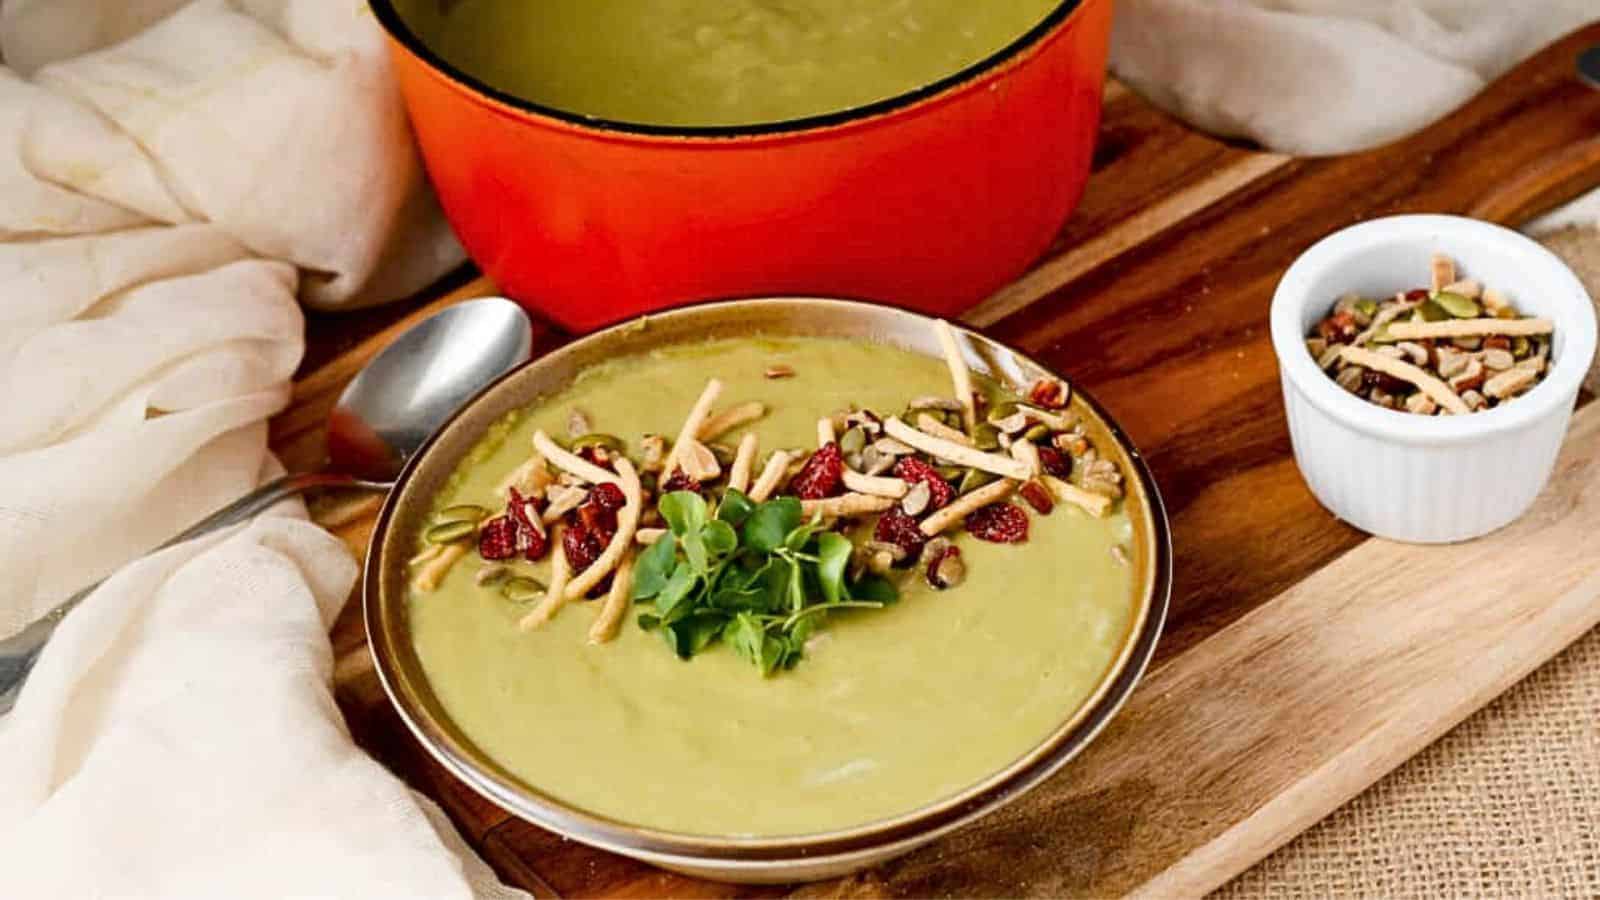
x=753 y=575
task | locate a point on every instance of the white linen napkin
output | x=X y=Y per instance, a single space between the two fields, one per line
x=173 y=174
x=1327 y=76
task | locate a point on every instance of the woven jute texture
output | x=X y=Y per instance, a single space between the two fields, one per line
x=1505 y=805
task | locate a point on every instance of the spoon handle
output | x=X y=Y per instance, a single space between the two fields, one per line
x=19 y=652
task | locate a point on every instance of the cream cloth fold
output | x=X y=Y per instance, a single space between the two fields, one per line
x=174 y=174
x=1327 y=76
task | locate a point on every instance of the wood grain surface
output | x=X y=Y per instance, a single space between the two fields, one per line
x=1302 y=659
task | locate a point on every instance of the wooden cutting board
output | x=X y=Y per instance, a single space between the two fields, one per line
x=1302 y=659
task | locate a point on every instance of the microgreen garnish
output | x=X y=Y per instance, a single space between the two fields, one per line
x=754 y=575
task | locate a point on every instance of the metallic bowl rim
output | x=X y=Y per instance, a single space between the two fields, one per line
x=870 y=839
x=1055 y=21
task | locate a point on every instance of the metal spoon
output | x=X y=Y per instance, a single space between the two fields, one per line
x=391 y=407
x=1589 y=66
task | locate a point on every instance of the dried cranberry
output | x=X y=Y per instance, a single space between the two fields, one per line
x=944 y=569
x=597 y=519
x=822 y=475
x=1000 y=523
x=899 y=529
x=1418 y=294
x=582 y=547
x=596 y=455
x=498 y=538
x=1037 y=497
x=607 y=496
x=679 y=481
x=912 y=470
x=1055 y=462
x=1338 y=328
x=1383 y=381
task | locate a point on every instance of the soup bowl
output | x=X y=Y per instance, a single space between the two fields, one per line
x=746 y=858
x=931 y=199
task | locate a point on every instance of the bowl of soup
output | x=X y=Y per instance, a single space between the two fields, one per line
x=748 y=590
x=602 y=159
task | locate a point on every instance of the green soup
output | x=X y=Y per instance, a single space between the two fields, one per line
x=889 y=710
x=715 y=62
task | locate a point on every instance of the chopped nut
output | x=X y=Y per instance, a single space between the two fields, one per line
x=652 y=452
x=1474 y=401
x=578 y=423
x=947 y=571
x=1421 y=404
x=1120 y=554
x=1037 y=496
x=943 y=404
x=916 y=499
x=1049 y=393
x=1469 y=378
x=1510 y=383
x=1443 y=270
x=698 y=461
x=491 y=574
x=1010 y=425
x=1349 y=378
x=1452 y=362
x=1498 y=360
x=1413 y=352
x=1494 y=301
x=779 y=371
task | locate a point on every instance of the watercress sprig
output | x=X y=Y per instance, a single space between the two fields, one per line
x=754 y=575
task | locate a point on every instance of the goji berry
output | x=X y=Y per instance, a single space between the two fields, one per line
x=822 y=475
x=899 y=529
x=1000 y=523
x=498 y=538
x=1055 y=462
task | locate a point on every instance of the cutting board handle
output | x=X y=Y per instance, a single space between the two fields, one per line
x=1554 y=180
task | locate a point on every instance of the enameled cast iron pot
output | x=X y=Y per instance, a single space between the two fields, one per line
x=930 y=200
x=781 y=859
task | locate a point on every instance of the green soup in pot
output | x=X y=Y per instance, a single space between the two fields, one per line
x=715 y=62
x=890 y=709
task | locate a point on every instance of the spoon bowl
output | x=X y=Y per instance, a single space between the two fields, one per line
x=383 y=416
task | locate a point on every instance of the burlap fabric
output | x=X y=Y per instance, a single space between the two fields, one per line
x=1505 y=805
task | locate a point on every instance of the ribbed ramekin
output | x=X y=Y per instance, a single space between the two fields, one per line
x=1419 y=478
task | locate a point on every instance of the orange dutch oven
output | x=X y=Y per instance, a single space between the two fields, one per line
x=929 y=200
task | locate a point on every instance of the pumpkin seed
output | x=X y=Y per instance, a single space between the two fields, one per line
x=973 y=479
x=450 y=532
x=491 y=575
x=950 y=472
x=597 y=439
x=723 y=453
x=1430 y=311
x=521 y=589
x=1005 y=409
x=852 y=441
x=1520 y=347
x=1457 y=305
x=1367 y=307
x=1037 y=433
x=465 y=512
x=1382 y=336
x=986 y=437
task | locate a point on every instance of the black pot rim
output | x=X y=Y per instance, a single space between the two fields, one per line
x=397 y=28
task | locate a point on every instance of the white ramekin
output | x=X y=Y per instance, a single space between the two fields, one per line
x=1420 y=478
